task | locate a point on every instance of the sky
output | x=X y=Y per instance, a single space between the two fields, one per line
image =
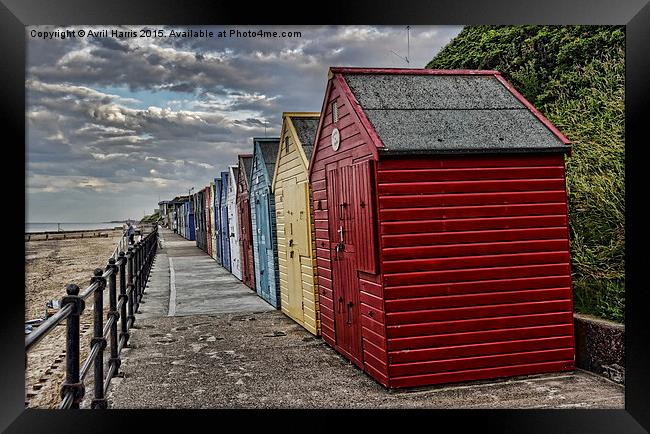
x=116 y=124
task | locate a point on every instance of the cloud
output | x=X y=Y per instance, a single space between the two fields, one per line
x=133 y=118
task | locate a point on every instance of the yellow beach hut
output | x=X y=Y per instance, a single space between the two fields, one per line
x=295 y=220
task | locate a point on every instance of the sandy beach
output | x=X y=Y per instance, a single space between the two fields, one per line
x=49 y=266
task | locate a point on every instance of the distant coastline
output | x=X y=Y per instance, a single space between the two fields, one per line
x=54 y=227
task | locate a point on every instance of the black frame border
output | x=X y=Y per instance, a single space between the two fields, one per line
x=635 y=14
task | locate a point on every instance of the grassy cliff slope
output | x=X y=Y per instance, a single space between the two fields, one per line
x=575 y=75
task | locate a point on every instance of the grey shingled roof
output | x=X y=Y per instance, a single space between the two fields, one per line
x=306 y=130
x=269 y=150
x=449 y=113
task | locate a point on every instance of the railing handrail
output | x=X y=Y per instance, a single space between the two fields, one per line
x=62 y=314
x=124 y=240
x=133 y=268
x=35 y=336
x=119 y=248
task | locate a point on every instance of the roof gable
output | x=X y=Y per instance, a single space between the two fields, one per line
x=302 y=126
x=266 y=151
x=443 y=111
x=217 y=188
x=232 y=183
x=305 y=128
x=224 y=181
x=245 y=168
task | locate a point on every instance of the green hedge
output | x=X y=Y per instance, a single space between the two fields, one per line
x=153 y=218
x=575 y=75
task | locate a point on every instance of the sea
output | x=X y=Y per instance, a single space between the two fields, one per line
x=54 y=227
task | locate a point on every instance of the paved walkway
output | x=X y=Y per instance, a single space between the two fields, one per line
x=204 y=340
x=186 y=281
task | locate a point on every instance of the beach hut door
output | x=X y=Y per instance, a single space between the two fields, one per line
x=247 y=242
x=263 y=241
x=341 y=217
x=293 y=204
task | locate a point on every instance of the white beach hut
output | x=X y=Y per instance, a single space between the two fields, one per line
x=233 y=224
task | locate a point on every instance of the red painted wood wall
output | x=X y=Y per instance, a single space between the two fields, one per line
x=246 y=230
x=476 y=267
x=356 y=150
x=463 y=267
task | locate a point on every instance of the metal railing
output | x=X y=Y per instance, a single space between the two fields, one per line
x=121 y=246
x=123 y=243
x=133 y=269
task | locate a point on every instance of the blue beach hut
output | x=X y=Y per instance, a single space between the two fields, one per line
x=190 y=221
x=262 y=201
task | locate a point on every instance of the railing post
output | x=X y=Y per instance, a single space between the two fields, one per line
x=154 y=249
x=123 y=296
x=113 y=313
x=136 y=267
x=72 y=383
x=143 y=267
x=151 y=250
x=98 y=338
x=145 y=262
x=149 y=258
x=129 y=284
x=140 y=250
x=143 y=280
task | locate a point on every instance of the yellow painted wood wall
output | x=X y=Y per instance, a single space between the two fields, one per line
x=294 y=212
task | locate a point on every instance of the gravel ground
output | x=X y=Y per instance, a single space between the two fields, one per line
x=265 y=360
x=49 y=266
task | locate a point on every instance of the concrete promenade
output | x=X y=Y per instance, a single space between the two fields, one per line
x=205 y=340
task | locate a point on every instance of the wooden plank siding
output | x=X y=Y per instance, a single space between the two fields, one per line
x=260 y=187
x=208 y=221
x=293 y=214
x=216 y=215
x=476 y=267
x=199 y=231
x=245 y=226
x=355 y=146
x=233 y=223
x=456 y=256
x=223 y=220
x=213 y=223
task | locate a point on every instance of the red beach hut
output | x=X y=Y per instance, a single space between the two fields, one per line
x=245 y=223
x=441 y=227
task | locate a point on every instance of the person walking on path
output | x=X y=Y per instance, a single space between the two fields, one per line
x=130 y=232
x=160 y=238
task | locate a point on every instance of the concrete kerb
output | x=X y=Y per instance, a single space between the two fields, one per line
x=600 y=346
